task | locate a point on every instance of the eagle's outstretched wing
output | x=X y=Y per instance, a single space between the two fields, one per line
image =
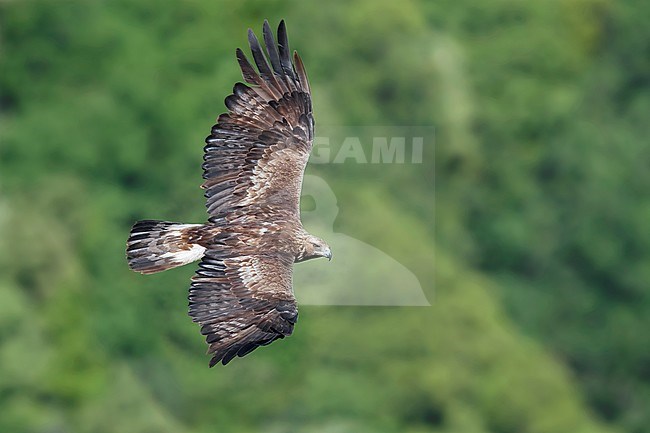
x=254 y=163
x=257 y=152
x=242 y=303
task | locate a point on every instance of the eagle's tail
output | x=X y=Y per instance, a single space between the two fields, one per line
x=156 y=246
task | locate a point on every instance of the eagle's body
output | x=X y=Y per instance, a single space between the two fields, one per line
x=255 y=158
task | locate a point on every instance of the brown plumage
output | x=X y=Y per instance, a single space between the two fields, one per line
x=242 y=295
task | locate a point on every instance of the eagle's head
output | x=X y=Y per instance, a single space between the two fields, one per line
x=312 y=248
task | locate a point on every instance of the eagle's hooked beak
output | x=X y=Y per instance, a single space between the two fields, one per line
x=328 y=254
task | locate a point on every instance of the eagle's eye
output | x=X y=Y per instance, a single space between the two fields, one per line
x=316 y=244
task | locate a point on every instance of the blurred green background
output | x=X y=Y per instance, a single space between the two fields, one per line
x=540 y=317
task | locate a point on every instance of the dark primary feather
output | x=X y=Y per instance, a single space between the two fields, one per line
x=272 y=49
x=263 y=66
x=302 y=73
x=283 y=45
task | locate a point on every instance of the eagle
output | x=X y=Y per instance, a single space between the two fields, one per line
x=254 y=159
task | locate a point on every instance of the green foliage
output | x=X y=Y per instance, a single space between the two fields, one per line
x=538 y=287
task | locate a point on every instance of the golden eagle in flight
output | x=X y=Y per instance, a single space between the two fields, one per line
x=255 y=156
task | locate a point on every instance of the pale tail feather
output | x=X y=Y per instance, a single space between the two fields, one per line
x=156 y=246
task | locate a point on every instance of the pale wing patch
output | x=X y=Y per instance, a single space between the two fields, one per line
x=250 y=270
x=275 y=175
